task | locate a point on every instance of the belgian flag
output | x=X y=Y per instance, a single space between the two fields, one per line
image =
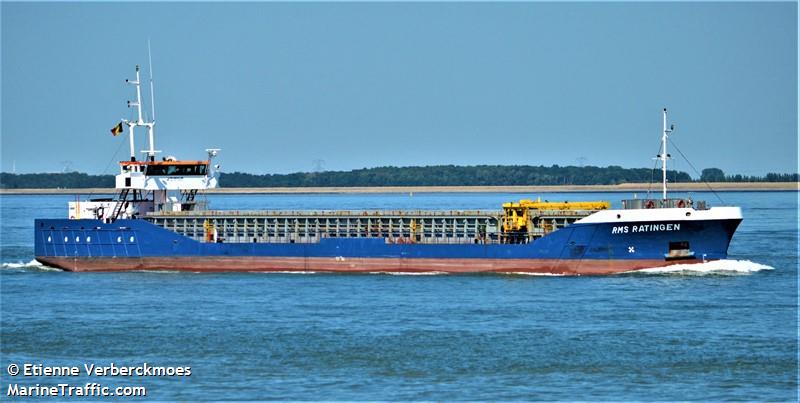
x=117 y=129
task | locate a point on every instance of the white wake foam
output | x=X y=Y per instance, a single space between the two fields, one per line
x=33 y=264
x=525 y=273
x=719 y=267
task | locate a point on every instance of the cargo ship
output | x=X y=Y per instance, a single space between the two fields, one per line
x=155 y=222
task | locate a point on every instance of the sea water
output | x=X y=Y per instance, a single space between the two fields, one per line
x=721 y=330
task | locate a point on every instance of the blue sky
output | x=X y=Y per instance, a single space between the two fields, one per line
x=280 y=85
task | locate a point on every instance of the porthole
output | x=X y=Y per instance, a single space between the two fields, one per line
x=88 y=239
x=77 y=239
x=119 y=239
x=66 y=239
x=131 y=239
x=49 y=239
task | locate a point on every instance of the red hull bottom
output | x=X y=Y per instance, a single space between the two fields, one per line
x=357 y=265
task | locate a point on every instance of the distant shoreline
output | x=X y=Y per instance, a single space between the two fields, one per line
x=626 y=187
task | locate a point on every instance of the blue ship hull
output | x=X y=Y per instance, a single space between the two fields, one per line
x=581 y=248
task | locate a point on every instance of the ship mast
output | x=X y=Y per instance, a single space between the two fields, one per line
x=664 y=156
x=151 y=153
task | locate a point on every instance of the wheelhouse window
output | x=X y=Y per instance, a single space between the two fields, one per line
x=176 y=169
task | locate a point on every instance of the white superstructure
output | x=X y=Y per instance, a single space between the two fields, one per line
x=149 y=185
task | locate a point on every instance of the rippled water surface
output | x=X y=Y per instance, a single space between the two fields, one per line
x=723 y=330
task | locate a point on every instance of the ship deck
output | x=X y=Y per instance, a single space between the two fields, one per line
x=395 y=226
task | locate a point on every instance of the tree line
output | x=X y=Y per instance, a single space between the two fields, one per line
x=67 y=180
x=717 y=175
x=439 y=175
x=451 y=175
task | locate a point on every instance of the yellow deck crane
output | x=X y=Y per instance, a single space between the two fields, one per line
x=527 y=219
